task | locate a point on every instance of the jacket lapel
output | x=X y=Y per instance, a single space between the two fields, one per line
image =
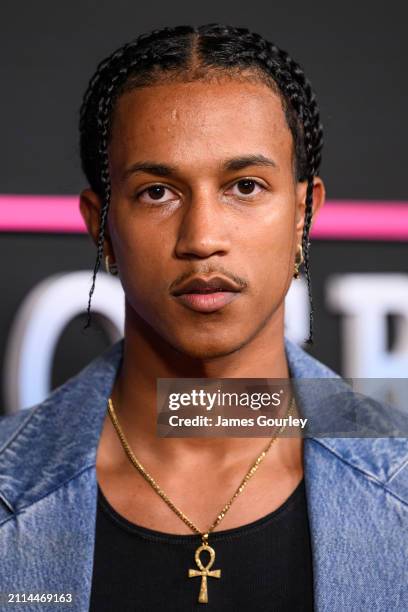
x=357 y=496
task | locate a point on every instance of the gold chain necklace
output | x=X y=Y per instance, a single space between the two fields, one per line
x=203 y=570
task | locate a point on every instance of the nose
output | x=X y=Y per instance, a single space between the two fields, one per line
x=202 y=231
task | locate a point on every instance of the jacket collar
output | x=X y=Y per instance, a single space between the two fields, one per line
x=69 y=423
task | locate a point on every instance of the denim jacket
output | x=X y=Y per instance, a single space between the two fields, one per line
x=356 y=488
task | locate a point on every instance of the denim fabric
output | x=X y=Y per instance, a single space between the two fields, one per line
x=357 y=496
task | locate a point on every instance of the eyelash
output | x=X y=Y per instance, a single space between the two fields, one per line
x=244 y=178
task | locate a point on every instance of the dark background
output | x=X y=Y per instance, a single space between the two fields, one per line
x=355 y=54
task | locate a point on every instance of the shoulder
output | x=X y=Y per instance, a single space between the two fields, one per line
x=67 y=405
x=353 y=431
x=46 y=445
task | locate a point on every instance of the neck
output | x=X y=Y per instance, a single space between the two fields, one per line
x=148 y=356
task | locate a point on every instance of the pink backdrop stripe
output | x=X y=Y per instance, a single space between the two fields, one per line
x=362 y=220
x=338 y=219
x=40 y=213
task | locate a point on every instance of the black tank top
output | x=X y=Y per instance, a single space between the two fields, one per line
x=265 y=565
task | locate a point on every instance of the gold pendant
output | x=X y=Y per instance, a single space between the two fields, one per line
x=204 y=570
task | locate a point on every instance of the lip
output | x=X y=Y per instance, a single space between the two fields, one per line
x=207 y=302
x=204 y=285
x=207 y=294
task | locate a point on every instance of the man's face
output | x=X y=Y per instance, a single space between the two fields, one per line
x=203 y=184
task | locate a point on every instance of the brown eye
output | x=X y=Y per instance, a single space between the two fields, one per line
x=246 y=186
x=156 y=192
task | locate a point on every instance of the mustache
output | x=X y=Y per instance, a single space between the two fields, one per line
x=207 y=271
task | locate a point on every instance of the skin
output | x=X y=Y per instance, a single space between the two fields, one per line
x=205 y=222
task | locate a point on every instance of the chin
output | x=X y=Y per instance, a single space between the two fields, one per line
x=204 y=349
x=205 y=354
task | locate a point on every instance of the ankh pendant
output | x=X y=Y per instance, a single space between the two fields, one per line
x=204 y=570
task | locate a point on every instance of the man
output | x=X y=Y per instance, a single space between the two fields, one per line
x=201 y=147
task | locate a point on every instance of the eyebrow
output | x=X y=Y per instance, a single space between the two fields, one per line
x=239 y=163
x=150 y=168
x=164 y=170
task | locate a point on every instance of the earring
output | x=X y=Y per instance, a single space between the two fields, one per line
x=298 y=261
x=111 y=269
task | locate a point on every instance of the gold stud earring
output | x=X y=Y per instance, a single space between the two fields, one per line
x=111 y=268
x=298 y=261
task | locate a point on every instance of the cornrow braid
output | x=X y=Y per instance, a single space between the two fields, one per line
x=187 y=52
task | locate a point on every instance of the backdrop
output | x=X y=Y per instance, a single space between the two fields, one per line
x=354 y=54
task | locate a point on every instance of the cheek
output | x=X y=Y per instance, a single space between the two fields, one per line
x=142 y=254
x=268 y=246
x=260 y=254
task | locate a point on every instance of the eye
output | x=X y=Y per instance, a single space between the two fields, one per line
x=156 y=193
x=246 y=187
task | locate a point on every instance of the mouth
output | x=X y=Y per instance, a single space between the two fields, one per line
x=207 y=302
x=207 y=295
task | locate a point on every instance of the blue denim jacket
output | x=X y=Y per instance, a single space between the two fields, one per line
x=357 y=496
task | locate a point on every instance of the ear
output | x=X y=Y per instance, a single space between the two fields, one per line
x=319 y=195
x=90 y=205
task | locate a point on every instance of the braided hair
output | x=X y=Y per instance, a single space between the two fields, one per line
x=188 y=53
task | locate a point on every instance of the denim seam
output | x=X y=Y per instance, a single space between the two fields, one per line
x=19 y=429
x=6 y=445
x=62 y=484
x=366 y=474
x=398 y=470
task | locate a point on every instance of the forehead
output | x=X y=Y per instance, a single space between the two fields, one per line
x=198 y=122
